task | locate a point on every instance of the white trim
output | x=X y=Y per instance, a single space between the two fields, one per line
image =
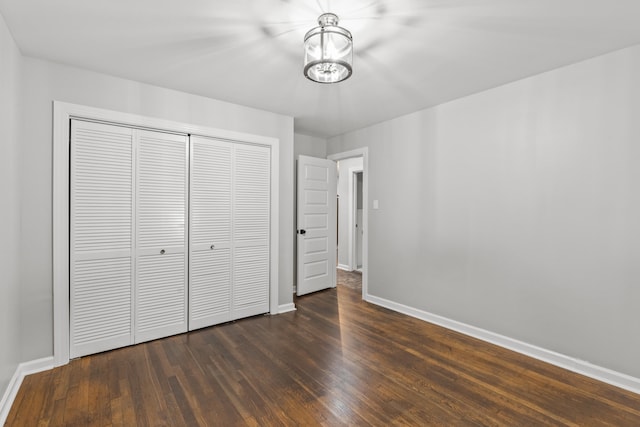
x=62 y=113
x=274 y=232
x=61 y=148
x=344 y=267
x=22 y=370
x=364 y=153
x=286 y=308
x=582 y=367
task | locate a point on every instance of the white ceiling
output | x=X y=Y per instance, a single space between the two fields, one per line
x=409 y=54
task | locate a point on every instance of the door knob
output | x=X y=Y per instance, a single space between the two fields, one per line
x=213 y=246
x=303 y=231
x=161 y=251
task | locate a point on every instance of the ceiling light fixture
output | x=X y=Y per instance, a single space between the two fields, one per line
x=328 y=51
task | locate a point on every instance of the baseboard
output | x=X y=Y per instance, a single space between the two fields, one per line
x=286 y=308
x=582 y=367
x=22 y=371
x=344 y=267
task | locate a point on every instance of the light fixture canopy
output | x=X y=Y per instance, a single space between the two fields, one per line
x=328 y=51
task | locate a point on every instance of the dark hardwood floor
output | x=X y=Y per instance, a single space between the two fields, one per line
x=335 y=361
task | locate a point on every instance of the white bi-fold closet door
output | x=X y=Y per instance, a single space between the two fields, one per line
x=229 y=232
x=161 y=195
x=128 y=236
x=168 y=233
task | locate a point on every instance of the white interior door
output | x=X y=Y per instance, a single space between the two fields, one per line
x=101 y=235
x=230 y=231
x=161 y=238
x=317 y=224
x=251 y=230
x=210 y=209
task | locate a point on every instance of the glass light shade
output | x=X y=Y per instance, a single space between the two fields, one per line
x=328 y=51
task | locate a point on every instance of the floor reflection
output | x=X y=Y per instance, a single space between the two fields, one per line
x=350 y=279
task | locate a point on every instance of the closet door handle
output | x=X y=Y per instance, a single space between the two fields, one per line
x=213 y=246
x=162 y=251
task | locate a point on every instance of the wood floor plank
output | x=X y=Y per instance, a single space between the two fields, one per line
x=335 y=361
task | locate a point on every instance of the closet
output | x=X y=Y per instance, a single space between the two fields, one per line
x=168 y=233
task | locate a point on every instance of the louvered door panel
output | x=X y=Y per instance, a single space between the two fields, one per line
x=101 y=305
x=101 y=233
x=160 y=296
x=251 y=281
x=251 y=219
x=210 y=245
x=210 y=288
x=161 y=193
x=161 y=190
x=210 y=191
x=251 y=194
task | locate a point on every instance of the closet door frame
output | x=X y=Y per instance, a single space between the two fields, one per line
x=62 y=114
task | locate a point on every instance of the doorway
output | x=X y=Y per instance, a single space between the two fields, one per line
x=347 y=248
x=352 y=253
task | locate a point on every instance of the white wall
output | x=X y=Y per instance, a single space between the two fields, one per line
x=517 y=210
x=345 y=197
x=312 y=146
x=44 y=82
x=10 y=67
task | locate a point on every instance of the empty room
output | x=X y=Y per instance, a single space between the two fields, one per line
x=367 y=212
